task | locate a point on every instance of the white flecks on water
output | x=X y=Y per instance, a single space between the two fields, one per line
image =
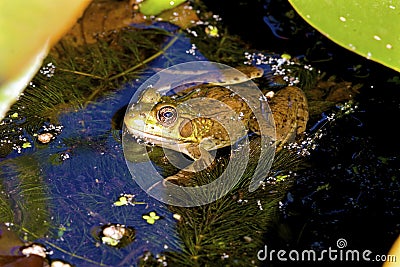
x=64 y=156
x=192 y=50
x=259 y=204
x=342 y=19
x=35 y=249
x=217 y=17
x=48 y=70
x=376 y=37
x=310 y=142
x=388 y=46
x=15 y=137
x=194 y=33
x=280 y=66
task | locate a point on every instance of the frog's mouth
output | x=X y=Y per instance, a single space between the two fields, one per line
x=152 y=139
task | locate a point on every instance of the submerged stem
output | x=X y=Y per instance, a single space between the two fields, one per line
x=159 y=53
x=81 y=73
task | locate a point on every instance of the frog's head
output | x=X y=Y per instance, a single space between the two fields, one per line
x=163 y=121
x=160 y=124
x=181 y=123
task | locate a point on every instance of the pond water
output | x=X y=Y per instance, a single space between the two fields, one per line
x=70 y=193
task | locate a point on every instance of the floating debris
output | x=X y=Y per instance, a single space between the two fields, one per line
x=117 y=235
x=64 y=156
x=60 y=263
x=177 y=217
x=151 y=218
x=126 y=199
x=35 y=249
x=14 y=115
x=212 y=31
x=45 y=138
x=285 y=70
x=48 y=132
x=26 y=145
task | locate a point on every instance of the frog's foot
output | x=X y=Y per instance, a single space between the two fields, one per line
x=180 y=176
x=175 y=179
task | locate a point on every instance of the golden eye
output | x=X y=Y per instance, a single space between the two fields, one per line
x=167 y=115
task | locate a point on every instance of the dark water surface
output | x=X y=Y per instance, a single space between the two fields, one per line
x=351 y=189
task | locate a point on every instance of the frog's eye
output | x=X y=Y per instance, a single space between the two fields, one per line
x=167 y=115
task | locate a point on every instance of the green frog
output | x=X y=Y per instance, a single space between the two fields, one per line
x=175 y=126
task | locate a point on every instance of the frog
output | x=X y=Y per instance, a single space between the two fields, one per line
x=173 y=126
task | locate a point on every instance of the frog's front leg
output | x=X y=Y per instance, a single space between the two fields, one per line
x=201 y=156
x=201 y=160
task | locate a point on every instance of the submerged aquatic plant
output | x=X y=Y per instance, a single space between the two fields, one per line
x=23 y=197
x=230 y=230
x=78 y=75
x=72 y=77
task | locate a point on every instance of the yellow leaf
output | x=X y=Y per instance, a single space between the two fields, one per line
x=28 y=30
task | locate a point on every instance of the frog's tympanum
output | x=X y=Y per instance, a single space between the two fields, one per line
x=172 y=124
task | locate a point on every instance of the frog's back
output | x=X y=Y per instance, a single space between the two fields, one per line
x=289 y=108
x=290 y=111
x=218 y=93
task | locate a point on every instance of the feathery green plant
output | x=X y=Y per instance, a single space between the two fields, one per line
x=24 y=199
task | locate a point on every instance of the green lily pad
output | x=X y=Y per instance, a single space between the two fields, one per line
x=155 y=7
x=367 y=27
